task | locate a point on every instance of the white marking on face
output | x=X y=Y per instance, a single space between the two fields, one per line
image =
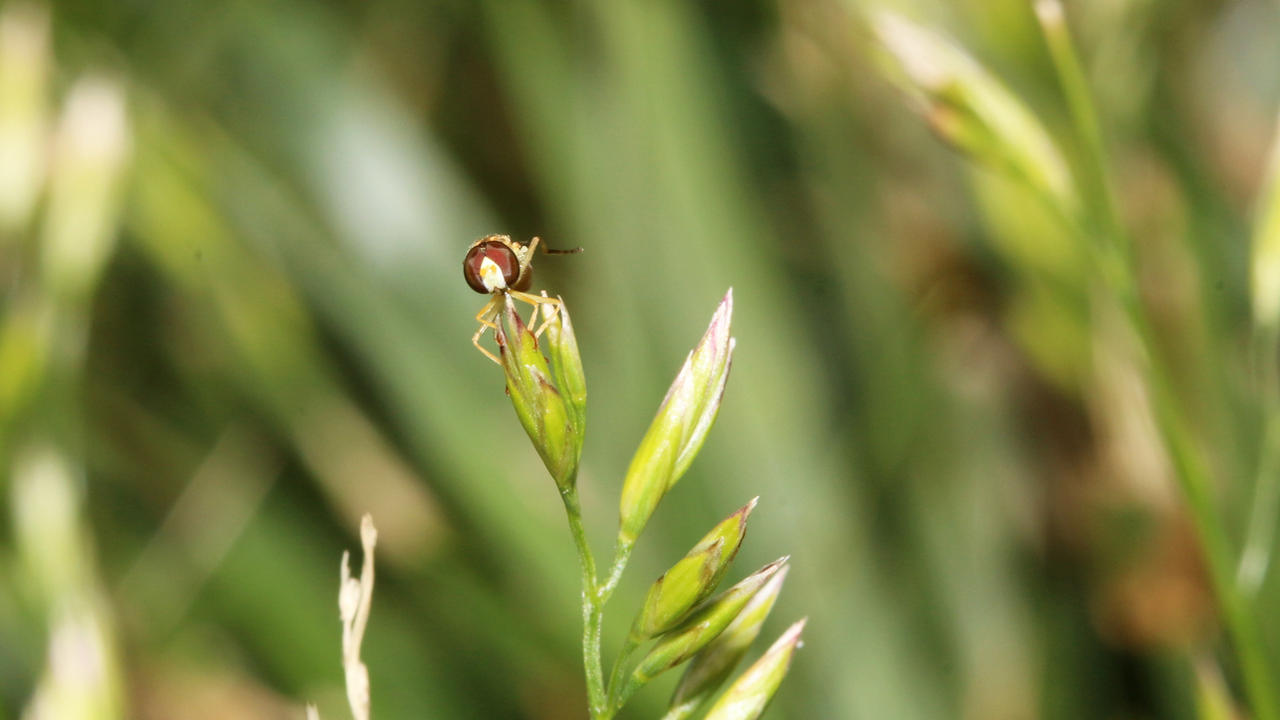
x=491 y=275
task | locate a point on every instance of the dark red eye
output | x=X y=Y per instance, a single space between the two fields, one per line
x=496 y=251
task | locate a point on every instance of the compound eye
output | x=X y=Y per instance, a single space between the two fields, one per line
x=498 y=254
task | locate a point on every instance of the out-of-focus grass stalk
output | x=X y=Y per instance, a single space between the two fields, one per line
x=1117 y=270
x=1193 y=479
x=1095 y=184
x=1260 y=535
x=971 y=110
x=263 y=315
x=1213 y=700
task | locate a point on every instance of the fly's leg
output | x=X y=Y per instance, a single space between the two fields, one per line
x=538 y=301
x=485 y=318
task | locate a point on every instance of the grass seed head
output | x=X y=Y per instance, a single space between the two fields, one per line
x=681 y=425
x=539 y=404
x=711 y=667
x=693 y=578
x=699 y=629
x=750 y=694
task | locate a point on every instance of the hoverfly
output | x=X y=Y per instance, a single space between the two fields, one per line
x=500 y=267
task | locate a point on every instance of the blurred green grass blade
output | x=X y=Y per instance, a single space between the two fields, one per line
x=914 y=396
x=1096 y=180
x=267 y=327
x=1213 y=700
x=189 y=250
x=398 y=344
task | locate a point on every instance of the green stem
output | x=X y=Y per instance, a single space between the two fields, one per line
x=1117 y=273
x=592 y=608
x=1096 y=181
x=1196 y=487
x=621 y=554
x=594 y=597
x=1193 y=480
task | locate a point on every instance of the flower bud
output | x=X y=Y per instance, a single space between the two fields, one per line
x=692 y=579
x=538 y=403
x=710 y=668
x=672 y=596
x=680 y=427
x=750 y=694
x=566 y=365
x=696 y=632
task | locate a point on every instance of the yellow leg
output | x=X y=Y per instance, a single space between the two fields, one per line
x=533 y=299
x=486 y=312
x=538 y=301
x=485 y=318
x=533 y=320
x=549 y=311
x=475 y=340
x=549 y=306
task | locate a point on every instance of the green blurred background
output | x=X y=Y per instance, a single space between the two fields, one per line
x=233 y=321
